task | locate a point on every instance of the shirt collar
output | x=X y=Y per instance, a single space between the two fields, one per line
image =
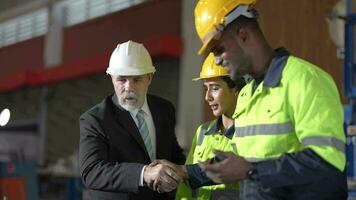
x=275 y=69
x=214 y=128
x=144 y=108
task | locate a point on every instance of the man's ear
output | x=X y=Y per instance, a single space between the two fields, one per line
x=243 y=35
x=150 y=77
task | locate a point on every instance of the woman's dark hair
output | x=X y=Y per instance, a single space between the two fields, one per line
x=238 y=84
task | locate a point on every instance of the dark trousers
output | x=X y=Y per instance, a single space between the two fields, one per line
x=329 y=188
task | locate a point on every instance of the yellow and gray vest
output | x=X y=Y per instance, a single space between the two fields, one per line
x=207 y=138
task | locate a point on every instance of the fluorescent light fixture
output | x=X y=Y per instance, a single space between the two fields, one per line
x=4 y=117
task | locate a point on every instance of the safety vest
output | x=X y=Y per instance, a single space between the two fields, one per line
x=207 y=138
x=298 y=108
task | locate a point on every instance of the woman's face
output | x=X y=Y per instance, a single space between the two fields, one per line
x=221 y=98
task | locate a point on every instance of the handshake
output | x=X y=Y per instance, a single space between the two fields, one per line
x=164 y=176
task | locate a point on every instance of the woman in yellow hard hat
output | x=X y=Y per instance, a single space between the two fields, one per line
x=221 y=95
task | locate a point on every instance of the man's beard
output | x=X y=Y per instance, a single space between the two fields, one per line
x=237 y=72
x=236 y=75
x=130 y=101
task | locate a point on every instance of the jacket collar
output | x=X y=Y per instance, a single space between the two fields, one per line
x=273 y=75
x=214 y=128
x=123 y=116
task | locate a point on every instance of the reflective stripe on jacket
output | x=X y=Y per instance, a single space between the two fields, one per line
x=299 y=109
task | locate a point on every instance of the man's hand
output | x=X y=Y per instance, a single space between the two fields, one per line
x=161 y=178
x=233 y=168
x=180 y=170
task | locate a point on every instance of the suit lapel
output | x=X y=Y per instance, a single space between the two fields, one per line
x=124 y=118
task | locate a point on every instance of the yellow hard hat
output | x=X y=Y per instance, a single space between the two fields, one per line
x=210 y=69
x=212 y=16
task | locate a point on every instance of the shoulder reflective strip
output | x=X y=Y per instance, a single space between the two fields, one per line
x=234 y=147
x=325 y=141
x=264 y=129
x=252 y=159
x=202 y=132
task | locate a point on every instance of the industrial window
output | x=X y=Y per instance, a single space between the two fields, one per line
x=35 y=23
x=24 y=27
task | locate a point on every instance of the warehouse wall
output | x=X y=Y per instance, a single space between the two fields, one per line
x=137 y=23
x=191 y=101
x=300 y=26
x=97 y=36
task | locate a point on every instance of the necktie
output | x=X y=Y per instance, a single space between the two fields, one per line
x=142 y=127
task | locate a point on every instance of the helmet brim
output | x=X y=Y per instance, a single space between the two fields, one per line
x=207 y=46
x=206 y=77
x=197 y=79
x=133 y=72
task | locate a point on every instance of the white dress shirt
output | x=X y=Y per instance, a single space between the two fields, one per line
x=151 y=130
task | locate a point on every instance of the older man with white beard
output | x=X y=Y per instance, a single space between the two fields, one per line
x=123 y=134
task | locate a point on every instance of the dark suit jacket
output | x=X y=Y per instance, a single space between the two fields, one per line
x=112 y=152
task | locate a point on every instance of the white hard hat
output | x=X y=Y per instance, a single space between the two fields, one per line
x=130 y=59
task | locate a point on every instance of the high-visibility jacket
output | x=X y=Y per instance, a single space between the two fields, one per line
x=296 y=106
x=207 y=138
